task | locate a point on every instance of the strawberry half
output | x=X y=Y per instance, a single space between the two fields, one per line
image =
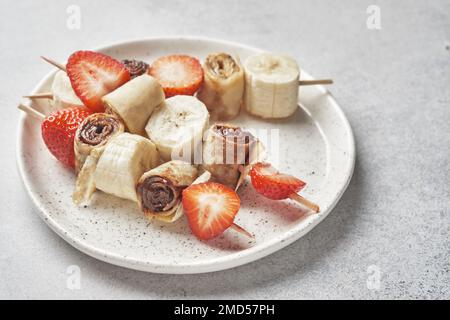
x=273 y=184
x=210 y=208
x=94 y=75
x=58 y=131
x=178 y=74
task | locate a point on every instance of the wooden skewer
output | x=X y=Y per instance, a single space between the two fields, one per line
x=32 y=112
x=46 y=95
x=314 y=82
x=298 y=198
x=241 y=230
x=56 y=64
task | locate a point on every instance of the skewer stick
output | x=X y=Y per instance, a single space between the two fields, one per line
x=46 y=95
x=56 y=64
x=314 y=82
x=298 y=198
x=241 y=230
x=32 y=112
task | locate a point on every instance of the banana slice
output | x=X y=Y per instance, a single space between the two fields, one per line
x=223 y=88
x=94 y=132
x=159 y=190
x=63 y=94
x=177 y=126
x=135 y=101
x=125 y=159
x=228 y=152
x=271 y=85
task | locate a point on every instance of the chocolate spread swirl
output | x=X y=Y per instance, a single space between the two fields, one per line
x=237 y=135
x=135 y=67
x=157 y=194
x=235 y=142
x=98 y=129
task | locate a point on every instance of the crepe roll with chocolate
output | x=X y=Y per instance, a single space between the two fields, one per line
x=159 y=190
x=227 y=153
x=93 y=133
x=135 y=67
x=223 y=89
x=91 y=138
x=135 y=101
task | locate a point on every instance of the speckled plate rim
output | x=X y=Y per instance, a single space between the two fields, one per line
x=214 y=264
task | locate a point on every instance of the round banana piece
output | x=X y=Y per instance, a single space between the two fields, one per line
x=93 y=133
x=159 y=190
x=63 y=95
x=271 y=85
x=177 y=126
x=135 y=101
x=223 y=88
x=123 y=162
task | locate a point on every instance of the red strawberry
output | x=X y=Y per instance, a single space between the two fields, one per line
x=178 y=74
x=210 y=208
x=58 y=131
x=94 y=75
x=273 y=184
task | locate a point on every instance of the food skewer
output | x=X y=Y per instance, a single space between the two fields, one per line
x=314 y=82
x=31 y=111
x=241 y=230
x=54 y=63
x=311 y=205
x=44 y=95
x=265 y=179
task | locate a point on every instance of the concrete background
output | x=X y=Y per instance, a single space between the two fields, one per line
x=393 y=85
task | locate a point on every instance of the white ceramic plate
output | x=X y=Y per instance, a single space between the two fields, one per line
x=316 y=145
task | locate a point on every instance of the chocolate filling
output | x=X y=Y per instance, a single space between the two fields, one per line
x=239 y=136
x=98 y=129
x=158 y=194
x=222 y=64
x=135 y=67
x=236 y=138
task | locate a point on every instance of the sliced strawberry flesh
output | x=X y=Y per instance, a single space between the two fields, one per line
x=94 y=75
x=178 y=74
x=272 y=184
x=210 y=208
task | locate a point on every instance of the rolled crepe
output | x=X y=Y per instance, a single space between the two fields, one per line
x=135 y=101
x=159 y=190
x=223 y=89
x=228 y=152
x=94 y=132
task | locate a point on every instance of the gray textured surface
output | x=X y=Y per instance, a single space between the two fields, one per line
x=393 y=85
